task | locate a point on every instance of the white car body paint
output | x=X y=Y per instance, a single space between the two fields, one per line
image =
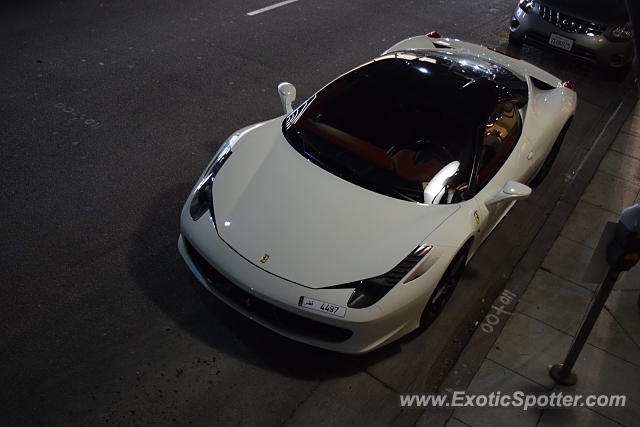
x=319 y=230
x=308 y=220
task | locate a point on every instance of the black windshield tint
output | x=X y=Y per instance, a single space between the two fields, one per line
x=391 y=125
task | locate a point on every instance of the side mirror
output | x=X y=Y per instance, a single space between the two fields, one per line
x=512 y=190
x=287 y=93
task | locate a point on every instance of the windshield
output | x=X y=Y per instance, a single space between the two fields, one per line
x=406 y=125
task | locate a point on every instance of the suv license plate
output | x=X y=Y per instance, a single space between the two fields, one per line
x=562 y=42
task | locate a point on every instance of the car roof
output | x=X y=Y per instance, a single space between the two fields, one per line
x=472 y=84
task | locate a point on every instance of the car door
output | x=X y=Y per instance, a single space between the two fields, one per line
x=501 y=158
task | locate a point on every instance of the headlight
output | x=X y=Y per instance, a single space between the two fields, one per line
x=368 y=292
x=622 y=33
x=526 y=5
x=202 y=198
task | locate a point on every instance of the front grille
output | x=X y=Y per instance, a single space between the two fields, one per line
x=577 y=51
x=568 y=23
x=263 y=310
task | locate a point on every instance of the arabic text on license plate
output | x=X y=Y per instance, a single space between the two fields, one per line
x=325 y=307
x=560 y=41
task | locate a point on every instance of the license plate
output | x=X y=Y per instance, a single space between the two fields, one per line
x=325 y=307
x=560 y=41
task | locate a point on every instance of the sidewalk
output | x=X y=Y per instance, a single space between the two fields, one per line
x=540 y=329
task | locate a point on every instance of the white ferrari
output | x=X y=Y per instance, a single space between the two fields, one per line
x=346 y=222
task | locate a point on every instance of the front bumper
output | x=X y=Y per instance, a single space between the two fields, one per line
x=273 y=301
x=529 y=27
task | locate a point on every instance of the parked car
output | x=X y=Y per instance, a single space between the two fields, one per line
x=347 y=222
x=594 y=30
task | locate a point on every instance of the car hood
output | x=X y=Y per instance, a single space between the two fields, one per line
x=606 y=12
x=317 y=229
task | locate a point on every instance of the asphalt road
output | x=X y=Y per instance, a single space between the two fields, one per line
x=109 y=113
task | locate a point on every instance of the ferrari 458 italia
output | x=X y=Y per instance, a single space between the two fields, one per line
x=346 y=222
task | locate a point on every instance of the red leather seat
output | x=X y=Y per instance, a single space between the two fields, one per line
x=406 y=168
x=402 y=163
x=355 y=145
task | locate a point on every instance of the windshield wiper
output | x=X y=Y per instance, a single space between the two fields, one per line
x=403 y=195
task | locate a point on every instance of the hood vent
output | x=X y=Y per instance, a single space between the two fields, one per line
x=442 y=45
x=540 y=84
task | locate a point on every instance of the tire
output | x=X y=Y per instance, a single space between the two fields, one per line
x=444 y=289
x=551 y=158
